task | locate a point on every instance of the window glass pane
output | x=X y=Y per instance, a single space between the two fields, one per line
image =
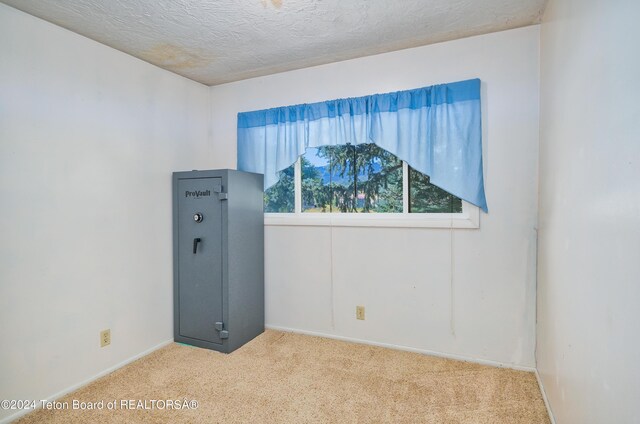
x=379 y=180
x=316 y=178
x=330 y=183
x=342 y=185
x=424 y=197
x=327 y=179
x=281 y=196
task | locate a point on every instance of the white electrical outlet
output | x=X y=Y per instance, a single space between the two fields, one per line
x=105 y=338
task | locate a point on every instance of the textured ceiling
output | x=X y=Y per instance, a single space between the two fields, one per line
x=218 y=41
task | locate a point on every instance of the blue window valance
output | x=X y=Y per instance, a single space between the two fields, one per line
x=436 y=130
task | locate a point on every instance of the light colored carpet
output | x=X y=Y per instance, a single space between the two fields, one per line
x=292 y=378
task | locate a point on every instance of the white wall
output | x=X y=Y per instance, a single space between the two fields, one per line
x=589 y=254
x=89 y=137
x=316 y=276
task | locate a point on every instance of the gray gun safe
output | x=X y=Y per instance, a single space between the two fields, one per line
x=218 y=258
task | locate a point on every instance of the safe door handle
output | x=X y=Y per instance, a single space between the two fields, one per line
x=195 y=244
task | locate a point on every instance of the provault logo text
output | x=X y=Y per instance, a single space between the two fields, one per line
x=197 y=194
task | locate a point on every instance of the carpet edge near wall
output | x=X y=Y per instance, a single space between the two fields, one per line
x=543 y=392
x=438 y=354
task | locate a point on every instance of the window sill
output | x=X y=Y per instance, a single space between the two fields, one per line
x=470 y=218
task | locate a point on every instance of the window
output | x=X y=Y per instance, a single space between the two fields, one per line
x=361 y=185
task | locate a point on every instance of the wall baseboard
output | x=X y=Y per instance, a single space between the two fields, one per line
x=544 y=398
x=75 y=387
x=406 y=348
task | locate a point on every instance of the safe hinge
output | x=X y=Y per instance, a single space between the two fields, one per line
x=224 y=334
x=223 y=196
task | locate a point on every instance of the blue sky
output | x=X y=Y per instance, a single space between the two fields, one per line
x=312 y=156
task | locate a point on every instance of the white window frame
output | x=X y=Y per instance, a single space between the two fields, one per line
x=468 y=218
